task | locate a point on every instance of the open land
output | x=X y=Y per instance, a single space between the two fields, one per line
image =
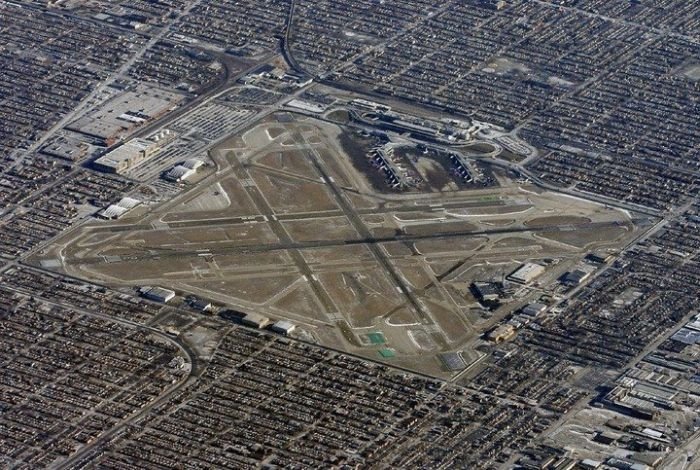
x=274 y=230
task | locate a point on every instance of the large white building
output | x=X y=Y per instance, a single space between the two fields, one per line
x=157 y=294
x=115 y=211
x=134 y=152
x=184 y=171
x=526 y=273
x=283 y=327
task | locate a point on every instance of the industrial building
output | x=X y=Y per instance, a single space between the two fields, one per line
x=254 y=320
x=125 y=111
x=283 y=327
x=134 y=152
x=575 y=277
x=157 y=294
x=533 y=310
x=502 y=333
x=116 y=211
x=600 y=257
x=486 y=291
x=201 y=305
x=590 y=464
x=184 y=171
x=526 y=273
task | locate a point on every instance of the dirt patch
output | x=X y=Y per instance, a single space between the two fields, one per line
x=451 y=245
x=275 y=132
x=438 y=228
x=362 y=295
x=402 y=316
x=290 y=161
x=479 y=148
x=288 y=195
x=416 y=216
x=499 y=222
x=373 y=219
x=301 y=301
x=336 y=254
x=340 y=116
x=399 y=248
x=415 y=275
x=557 y=220
x=495 y=210
x=583 y=238
x=450 y=322
x=254 y=290
x=331 y=228
x=514 y=242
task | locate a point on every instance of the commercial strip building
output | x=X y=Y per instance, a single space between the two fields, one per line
x=134 y=152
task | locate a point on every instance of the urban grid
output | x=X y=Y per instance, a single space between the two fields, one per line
x=333 y=234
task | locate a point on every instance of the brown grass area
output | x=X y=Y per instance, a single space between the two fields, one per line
x=291 y=161
x=361 y=295
x=301 y=301
x=498 y=210
x=445 y=227
x=414 y=274
x=449 y=245
x=350 y=253
x=441 y=267
x=340 y=116
x=241 y=205
x=330 y=228
x=275 y=132
x=583 y=238
x=398 y=248
x=450 y=322
x=256 y=290
x=479 y=147
x=254 y=261
x=514 y=242
x=557 y=220
x=288 y=195
x=402 y=315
